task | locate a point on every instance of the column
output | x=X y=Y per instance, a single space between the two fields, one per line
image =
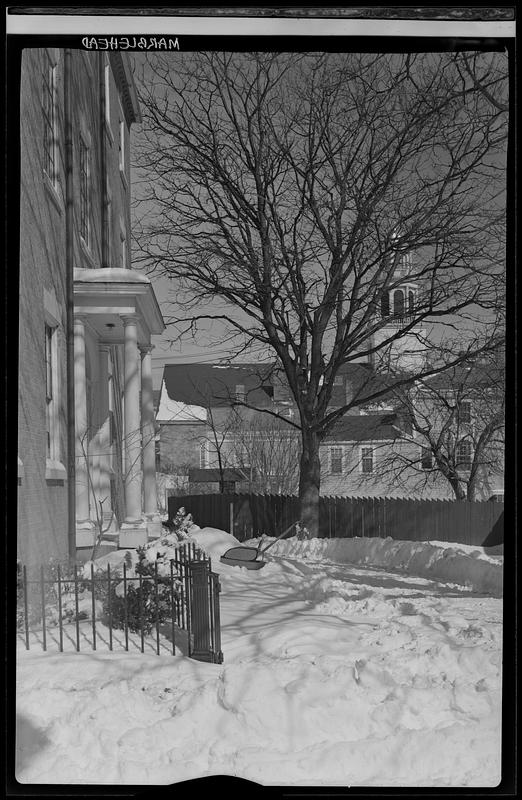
x=148 y=432
x=82 y=443
x=104 y=434
x=132 y=433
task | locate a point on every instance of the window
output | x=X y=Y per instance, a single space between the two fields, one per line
x=51 y=398
x=338 y=380
x=398 y=303
x=85 y=196
x=107 y=222
x=367 y=460
x=426 y=458
x=411 y=302
x=121 y=144
x=240 y=392
x=465 y=411
x=48 y=386
x=336 y=460
x=107 y=95
x=203 y=455
x=385 y=305
x=464 y=454
x=123 y=250
x=49 y=120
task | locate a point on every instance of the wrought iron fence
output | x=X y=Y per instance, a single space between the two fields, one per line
x=174 y=607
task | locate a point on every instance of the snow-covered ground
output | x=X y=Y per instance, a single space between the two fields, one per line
x=347 y=663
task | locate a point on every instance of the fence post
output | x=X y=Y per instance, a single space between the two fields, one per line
x=199 y=611
x=231 y=511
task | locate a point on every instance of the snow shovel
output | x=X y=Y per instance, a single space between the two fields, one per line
x=248 y=556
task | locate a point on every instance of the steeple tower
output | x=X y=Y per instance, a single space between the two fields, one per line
x=397 y=310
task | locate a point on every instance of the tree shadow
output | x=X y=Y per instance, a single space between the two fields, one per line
x=387 y=578
x=30 y=742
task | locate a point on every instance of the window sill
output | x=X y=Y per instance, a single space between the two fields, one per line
x=52 y=191
x=55 y=471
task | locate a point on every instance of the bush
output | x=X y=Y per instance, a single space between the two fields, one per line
x=145 y=606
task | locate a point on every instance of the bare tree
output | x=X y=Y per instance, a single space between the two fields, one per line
x=457 y=424
x=268 y=449
x=449 y=432
x=281 y=191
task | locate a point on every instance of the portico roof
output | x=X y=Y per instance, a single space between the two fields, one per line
x=107 y=294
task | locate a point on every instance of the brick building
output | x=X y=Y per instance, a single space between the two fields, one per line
x=86 y=318
x=374 y=450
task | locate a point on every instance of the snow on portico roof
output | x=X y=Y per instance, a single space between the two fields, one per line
x=110 y=275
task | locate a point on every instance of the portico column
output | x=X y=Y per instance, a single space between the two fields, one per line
x=80 y=416
x=104 y=443
x=132 y=432
x=147 y=427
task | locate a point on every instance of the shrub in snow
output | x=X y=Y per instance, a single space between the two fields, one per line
x=74 y=596
x=180 y=525
x=301 y=532
x=142 y=604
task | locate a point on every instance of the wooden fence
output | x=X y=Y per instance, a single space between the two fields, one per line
x=250 y=515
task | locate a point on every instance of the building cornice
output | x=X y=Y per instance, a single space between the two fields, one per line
x=125 y=81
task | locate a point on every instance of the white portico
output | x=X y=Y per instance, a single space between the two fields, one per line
x=115 y=315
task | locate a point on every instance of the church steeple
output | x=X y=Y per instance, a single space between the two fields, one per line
x=398 y=304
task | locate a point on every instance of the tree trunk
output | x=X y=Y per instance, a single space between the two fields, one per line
x=309 y=483
x=456 y=485
x=471 y=493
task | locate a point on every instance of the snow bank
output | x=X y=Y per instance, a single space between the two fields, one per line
x=333 y=676
x=176 y=411
x=214 y=542
x=450 y=564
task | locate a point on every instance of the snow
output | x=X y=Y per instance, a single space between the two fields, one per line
x=462 y=565
x=341 y=669
x=110 y=275
x=176 y=411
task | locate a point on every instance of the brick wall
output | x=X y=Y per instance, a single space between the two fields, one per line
x=42 y=502
x=180 y=445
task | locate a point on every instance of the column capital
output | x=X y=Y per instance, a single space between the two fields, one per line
x=81 y=318
x=129 y=319
x=146 y=348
